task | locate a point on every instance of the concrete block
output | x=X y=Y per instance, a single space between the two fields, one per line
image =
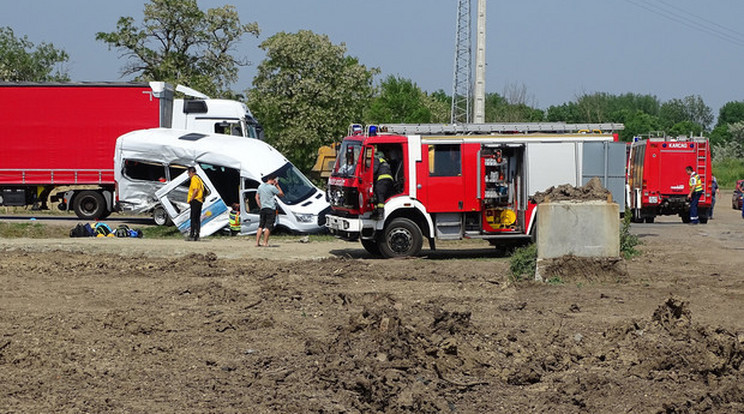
x=579 y=228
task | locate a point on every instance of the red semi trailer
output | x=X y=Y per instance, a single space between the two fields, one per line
x=656 y=182
x=56 y=135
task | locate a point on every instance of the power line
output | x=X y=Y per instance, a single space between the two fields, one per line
x=676 y=17
x=714 y=23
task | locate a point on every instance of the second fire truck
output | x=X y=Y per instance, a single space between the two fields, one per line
x=657 y=181
x=463 y=181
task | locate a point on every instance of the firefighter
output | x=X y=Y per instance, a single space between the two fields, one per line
x=696 y=190
x=383 y=181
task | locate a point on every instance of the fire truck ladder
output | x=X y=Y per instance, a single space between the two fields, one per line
x=501 y=128
x=701 y=160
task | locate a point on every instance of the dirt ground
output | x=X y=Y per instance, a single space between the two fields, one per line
x=143 y=326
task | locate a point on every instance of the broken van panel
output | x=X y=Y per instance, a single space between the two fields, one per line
x=148 y=160
x=214 y=215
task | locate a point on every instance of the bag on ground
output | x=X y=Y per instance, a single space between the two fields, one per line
x=82 y=230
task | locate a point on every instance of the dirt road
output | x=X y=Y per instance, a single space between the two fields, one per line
x=144 y=326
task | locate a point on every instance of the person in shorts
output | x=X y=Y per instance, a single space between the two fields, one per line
x=266 y=200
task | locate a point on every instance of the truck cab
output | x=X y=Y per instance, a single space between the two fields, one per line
x=200 y=113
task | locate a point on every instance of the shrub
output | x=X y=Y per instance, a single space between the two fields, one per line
x=523 y=261
x=628 y=241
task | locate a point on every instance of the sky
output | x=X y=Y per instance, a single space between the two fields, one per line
x=556 y=50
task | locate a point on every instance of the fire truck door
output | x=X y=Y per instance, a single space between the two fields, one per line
x=444 y=189
x=366 y=179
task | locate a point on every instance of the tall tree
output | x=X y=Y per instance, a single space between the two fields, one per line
x=510 y=109
x=307 y=92
x=399 y=101
x=21 y=61
x=180 y=43
x=731 y=112
x=691 y=108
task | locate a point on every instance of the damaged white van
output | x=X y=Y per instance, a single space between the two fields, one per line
x=150 y=171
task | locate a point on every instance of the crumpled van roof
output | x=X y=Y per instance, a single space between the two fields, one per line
x=253 y=157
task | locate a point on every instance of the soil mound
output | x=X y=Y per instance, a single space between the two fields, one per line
x=384 y=361
x=592 y=190
x=584 y=269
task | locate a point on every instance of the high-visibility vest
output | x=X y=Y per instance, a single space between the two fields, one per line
x=234 y=220
x=695 y=183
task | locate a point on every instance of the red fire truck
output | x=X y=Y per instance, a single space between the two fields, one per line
x=462 y=181
x=657 y=183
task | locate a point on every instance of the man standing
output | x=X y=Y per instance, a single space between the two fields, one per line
x=195 y=200
x=696 y=190
x=265 y=198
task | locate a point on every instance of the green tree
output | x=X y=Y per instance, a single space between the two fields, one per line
x=731 y=112
x=691 y=108
x=500 y=109
x=639 y=124
x=179 y=43
x=307 y=92
x=440 y=105
x=21 y=61
x=399 y=101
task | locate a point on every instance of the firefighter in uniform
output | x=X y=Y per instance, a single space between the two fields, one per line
x=383 y=181
x=696 y=190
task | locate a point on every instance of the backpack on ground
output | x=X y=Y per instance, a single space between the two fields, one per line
x=82 y=230
x=122 y=231
x=103 y=230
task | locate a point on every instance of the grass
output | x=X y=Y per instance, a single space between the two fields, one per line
x=728 y=171
x=32 y=231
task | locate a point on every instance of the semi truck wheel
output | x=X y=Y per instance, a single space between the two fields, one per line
x=160 y=217
x=401 y=238
x=89 y=205
x=371 y=247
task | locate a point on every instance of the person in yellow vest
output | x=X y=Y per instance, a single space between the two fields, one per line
x=696 y=190
x=234 y=219
x=195 y=200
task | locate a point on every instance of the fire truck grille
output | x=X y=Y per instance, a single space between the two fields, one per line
x=344 y=197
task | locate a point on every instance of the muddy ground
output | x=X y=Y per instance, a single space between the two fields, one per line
x=143 y=326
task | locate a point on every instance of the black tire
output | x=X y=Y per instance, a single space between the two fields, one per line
x=89 y=205
x=401 y=238
x=371 y=247
x=685 y=218
x=650 y=219
x=160 y=217
x=703 y=213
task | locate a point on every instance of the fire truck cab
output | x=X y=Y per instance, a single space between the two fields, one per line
x=453 y=182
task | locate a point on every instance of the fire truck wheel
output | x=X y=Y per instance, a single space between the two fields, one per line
x=401 y=238
x=371 y=247
x=685 y=217
x=89 y=205
x=650 y=219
